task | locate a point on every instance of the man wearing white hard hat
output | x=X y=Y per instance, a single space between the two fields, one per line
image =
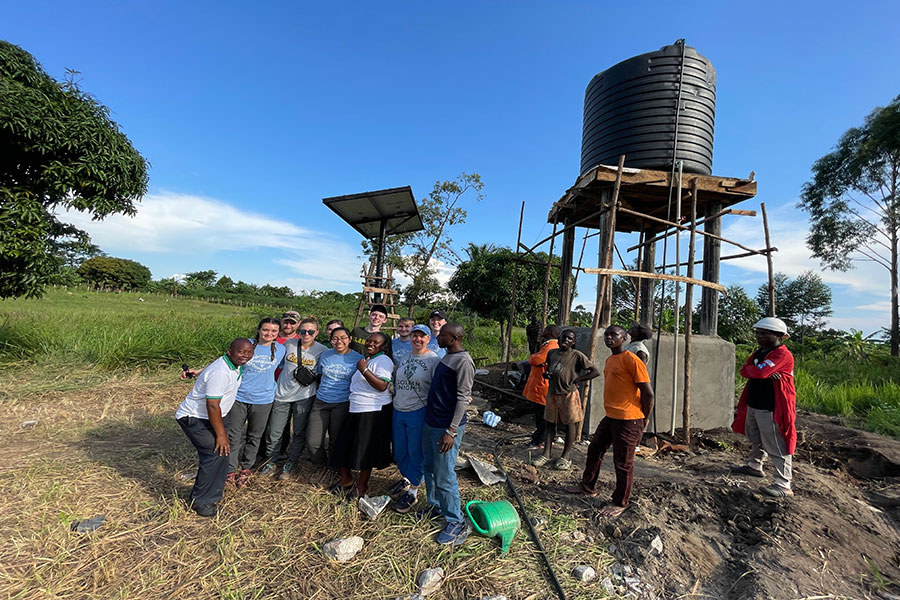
x=766 y=412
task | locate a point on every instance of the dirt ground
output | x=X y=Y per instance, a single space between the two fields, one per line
x=836 y=538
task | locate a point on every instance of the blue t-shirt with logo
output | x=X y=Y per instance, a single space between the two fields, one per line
x=336 y=370
x=400 y=349
x=258 y=380
x=433 y=346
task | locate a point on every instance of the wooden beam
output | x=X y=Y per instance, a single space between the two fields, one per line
x=659 y=276
x=684 y=227
x=721 y=213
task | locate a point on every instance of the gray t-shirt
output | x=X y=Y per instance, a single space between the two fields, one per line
x=412 y=378
x=287 y=389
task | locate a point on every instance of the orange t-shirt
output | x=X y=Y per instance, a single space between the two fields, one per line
x=621 y=396
x=536 y=386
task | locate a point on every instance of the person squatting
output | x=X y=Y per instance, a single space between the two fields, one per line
x=364 y=400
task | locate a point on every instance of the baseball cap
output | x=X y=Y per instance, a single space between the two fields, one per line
x=378 y=308
x=772 y=324
x=291 y=314
x=439 y=314
x=421 y=329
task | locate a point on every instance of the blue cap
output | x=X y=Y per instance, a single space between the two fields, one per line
x=421 y=329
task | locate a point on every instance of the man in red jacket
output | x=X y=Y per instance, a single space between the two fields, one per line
x=767 y=409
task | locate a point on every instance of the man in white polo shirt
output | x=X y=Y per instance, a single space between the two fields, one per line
x=202 y=416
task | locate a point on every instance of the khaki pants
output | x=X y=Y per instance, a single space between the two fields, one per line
x=766 y=439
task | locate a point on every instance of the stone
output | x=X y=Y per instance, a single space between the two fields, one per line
x=373 y=506
x=430 y=580
x=530 y=474
x=29 y=424
x=656 y=546
x=609 y=588
x=584 y=573
x=577 y=536
x=343 y=549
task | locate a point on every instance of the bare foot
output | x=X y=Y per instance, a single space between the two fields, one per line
x=580 y=489
x=611 y=511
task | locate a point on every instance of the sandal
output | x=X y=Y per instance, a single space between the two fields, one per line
x=540 y=461
x=776 y=491
x=243 y=479
x=229 y=481
x=748 y=470
x=343 y=491
x=563 y=464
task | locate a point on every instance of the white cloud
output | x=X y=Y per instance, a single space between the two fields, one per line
x=443 y=272
x=884 y=306
x=188 y=225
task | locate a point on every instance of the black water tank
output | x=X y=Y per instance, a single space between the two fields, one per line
x=630 y=109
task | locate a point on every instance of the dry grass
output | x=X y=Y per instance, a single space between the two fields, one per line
x=110 y=447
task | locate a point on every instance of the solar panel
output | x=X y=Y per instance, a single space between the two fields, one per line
x=365 y=212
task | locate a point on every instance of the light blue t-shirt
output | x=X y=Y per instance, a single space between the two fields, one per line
x=433 y=346
x=258 y=381
x=336 y=370
x=400 y=349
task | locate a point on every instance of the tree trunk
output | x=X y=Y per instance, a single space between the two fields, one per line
x=503 y=355
x=895 y=320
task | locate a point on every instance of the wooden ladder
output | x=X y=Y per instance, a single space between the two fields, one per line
x=374 y=286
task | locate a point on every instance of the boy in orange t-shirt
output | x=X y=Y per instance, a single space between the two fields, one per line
x=628 y=400
x=537 y=385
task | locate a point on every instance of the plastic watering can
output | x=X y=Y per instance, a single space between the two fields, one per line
x=494 y=519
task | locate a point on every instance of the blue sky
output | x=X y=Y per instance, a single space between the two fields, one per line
x=251 y=114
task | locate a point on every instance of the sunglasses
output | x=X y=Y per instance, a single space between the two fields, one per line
x=306 y=331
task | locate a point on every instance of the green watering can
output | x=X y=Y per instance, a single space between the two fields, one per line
x=494 y=518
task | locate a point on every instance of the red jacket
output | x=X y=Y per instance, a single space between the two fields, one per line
x=779 y=360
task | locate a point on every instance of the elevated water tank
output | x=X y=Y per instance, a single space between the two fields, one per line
x=630 y=109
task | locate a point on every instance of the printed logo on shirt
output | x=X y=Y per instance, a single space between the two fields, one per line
x=292 y=358
x=410 y=368
x=260 y=363
x=337 y=370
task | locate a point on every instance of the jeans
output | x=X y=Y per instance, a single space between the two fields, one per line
x=766 y=439
x=441 y=487
x=245 y=442
x=325 y=417
x=407 y=434
x=623 y=436
x=297 y=411
x=210 y=482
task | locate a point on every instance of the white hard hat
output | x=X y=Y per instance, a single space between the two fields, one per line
x=771 y=324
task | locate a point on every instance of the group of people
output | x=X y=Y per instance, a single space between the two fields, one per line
x=376 y=399
x=766 y=410
x=357 y=403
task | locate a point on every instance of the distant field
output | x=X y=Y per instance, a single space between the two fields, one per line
x=119 y=331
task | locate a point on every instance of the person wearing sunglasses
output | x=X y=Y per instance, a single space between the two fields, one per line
x=293 y=399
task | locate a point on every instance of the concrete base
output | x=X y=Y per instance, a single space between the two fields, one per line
x=712 y=380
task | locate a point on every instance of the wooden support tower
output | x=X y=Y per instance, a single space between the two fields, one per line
x=378 y=289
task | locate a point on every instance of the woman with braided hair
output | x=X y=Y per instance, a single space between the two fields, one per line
x=253 y=403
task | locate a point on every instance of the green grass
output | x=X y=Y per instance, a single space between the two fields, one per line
x=135 y=331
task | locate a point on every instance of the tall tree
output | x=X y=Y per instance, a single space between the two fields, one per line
x=413 y=253
x=58 y=149
x=803 y=303
x=200 y=279
x=853 y=200
x=483 y=283
x=116 y=273
x=737 y=314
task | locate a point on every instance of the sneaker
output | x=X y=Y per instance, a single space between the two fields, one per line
x=206 y=510
x=454 y=534
x=429 y=512
x=748 y=470
x=243 y=478
x=267 y=468
x=397 y=490
x=230 y=481
x=405 y=503
x=285 y=471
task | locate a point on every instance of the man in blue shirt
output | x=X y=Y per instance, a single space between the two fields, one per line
x=445 y=422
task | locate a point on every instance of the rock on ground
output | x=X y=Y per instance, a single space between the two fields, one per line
x=430 y=580
x=343 y=549
x=584 y=573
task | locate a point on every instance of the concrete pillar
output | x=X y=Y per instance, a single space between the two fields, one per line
x=565 y=275
x=712 y=250
x=648 y=262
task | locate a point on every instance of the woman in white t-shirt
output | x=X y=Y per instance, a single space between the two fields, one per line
x=364 y=442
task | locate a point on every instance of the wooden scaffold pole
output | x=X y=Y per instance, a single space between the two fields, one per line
x=547 y=277
x=512 y=306
x=769 y=262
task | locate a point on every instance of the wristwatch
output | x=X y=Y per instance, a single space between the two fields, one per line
x=450 y=433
